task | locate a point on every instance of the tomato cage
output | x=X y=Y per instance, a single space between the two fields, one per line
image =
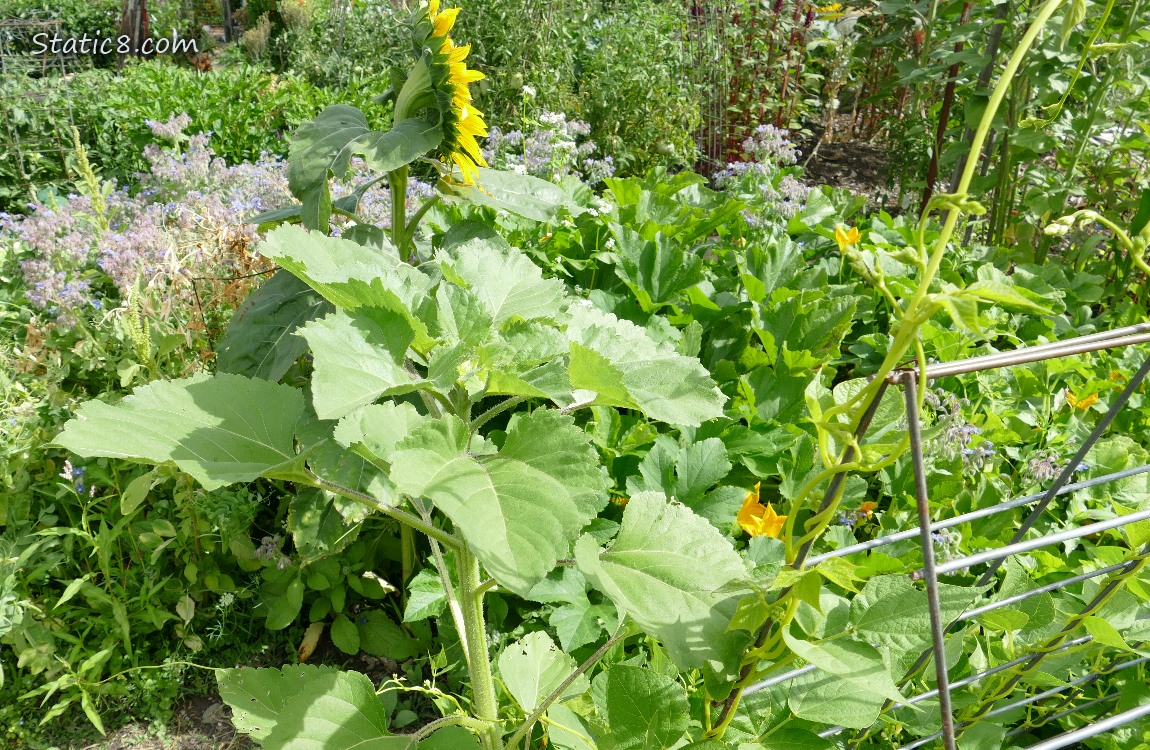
x=1111 y=578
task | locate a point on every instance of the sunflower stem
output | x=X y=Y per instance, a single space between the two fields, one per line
x=397 y=180
x=486 y=705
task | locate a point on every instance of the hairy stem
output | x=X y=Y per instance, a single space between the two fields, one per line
x=449 y=592
x=486 y=705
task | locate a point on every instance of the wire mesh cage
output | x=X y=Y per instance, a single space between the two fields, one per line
x=28 y=150
x=1004 y=688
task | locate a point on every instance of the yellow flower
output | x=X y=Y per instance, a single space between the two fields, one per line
x=450 y=78
x=1081 y=403
x=868 y=508
x=844 y=238
x=441 y=21
x=759 y=520
x=832 y=8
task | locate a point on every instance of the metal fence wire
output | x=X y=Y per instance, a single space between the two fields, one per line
x=1111 y=577
x=24 y=148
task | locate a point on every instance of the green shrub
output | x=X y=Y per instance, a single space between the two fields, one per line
x=76 y=17
x=635 y=87
x=247 y=109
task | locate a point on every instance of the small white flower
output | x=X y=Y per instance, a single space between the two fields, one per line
x=529 y=92
x=610 y=243
x=518 y=169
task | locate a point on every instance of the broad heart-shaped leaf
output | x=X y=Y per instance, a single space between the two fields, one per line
x=645 y=710
x=624 y=367
x=890 y=612
x=505 y=281
x=666 y=569
x=257 y=696
x=359 y=356
x=849 y=661
x=220 y=429
x=523 y=195
x=580 y=623
x=519 y=509
x=339 y=710
x=325 y=146
x=260 y=341
x=532 y=668
x=826 y=698
x=656 y=270
x=352 y=276
x=1001 y=293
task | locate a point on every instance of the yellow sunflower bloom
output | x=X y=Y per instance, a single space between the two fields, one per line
x=441 y=21
x=449 y=81
x=846 y=237
x=759 y=520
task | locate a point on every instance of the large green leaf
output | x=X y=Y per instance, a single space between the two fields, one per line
x=220 y=429
x=532 y=668
x=505 y=281
x=849 y=661
x=352 y=276
x=656 y=270
x=528 y=358
x=645 y=710
x=376 y=429
x=522 y=195
x=652 y=572
x=519 y=509
x=890 y=612
x=622 y=366
x=316 y=525
x=682 y=473
x=337 y=711
x=827 y=698
x=257 y=696
x=787 y=320
x=359 y=356
x=324 y=147
x=260 y=341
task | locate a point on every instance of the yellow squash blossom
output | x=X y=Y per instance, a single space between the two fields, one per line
x=847 y=237
x=1081 y=403
x=868 y=508
x=759 y=520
